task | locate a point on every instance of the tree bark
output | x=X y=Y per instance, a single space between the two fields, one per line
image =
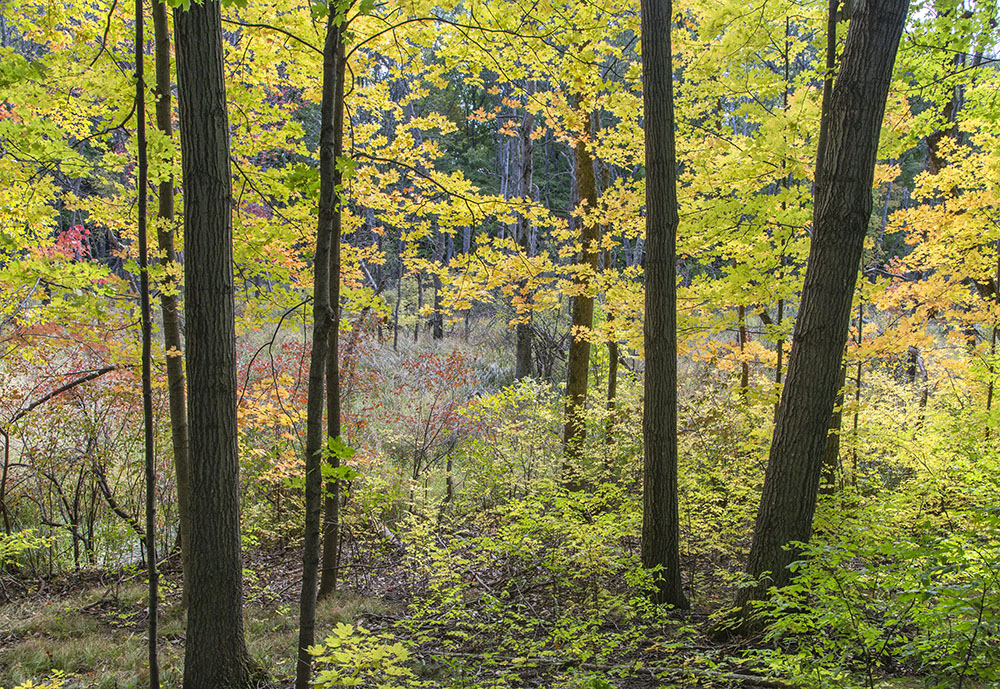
x=168 y=298
x=843 y=202
x=331 y=505
x=582 y=320
x=660 y=519
x=322 y=320
x=153 y=595
x=741 y=315
x=522 y=364
x=215 y=652
x=831 y=452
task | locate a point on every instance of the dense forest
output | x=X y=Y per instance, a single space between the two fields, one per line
x=570 y=343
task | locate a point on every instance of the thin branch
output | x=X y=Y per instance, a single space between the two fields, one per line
x=63 y=388
x=255 y=25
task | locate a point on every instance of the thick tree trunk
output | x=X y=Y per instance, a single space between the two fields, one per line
x=331 y=505
x=322 y=320
x=168 y=298
x=843 y=202
x=215 y=652
x=831 y=453
x=578 y=364
x=660 y=519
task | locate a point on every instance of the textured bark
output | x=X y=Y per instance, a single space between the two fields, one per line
x=215 y=651
x=831 y=453
x=168 y=298
x=322 y=320
x=660 y=520
x=331 y=504
x=153 y=595
x=843 y=202
x=578 y=363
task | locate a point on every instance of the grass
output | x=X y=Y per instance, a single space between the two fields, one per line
x=97 y=637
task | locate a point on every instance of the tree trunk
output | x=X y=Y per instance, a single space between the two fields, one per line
x=153 y=595
x=322 y=317
x=843 y=202
x=612 y=382
x=215 y=652
x=831 y=453
x=420 y=306
x=331 y=505
x=741 y=314
x=399 y=299
x=522 y=362
x=780 y=344
x=582 y=321
x=168 y=298
x=437 y=318
x=660 y=519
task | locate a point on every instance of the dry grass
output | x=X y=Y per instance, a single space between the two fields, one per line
x=98 y=637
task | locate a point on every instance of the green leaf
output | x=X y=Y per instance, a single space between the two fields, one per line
x=336 y=447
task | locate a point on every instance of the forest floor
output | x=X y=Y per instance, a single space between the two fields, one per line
x=90 y=629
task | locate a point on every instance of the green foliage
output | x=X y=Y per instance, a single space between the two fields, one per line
x=15 y=544
x=871 y=598
x=549 y=578
x=355 y=657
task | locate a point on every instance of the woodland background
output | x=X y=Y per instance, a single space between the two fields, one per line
x=491 y=175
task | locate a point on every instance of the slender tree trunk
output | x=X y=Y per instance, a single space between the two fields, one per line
x=578 y=364
x=786 y=179
x=215 y=652
x=843 y=202
x=612 y=381
x=322 y=321
x=780 y=344
x=147 y=358
x=993 y=351
x=917 y=365
x=168 y=297
x=613 y=355
x=437 y=318
x=449 y=482
x=741 y=314
x=522 y=364
x=331 y=505
x=3 y=481
x=420 y=306
x=660 y=519
x=399 y=299
x=857 y=390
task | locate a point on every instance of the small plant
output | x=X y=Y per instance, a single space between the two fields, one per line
x=870 y=602
x=13 y=545
x=355 y=657
x=56 y=680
